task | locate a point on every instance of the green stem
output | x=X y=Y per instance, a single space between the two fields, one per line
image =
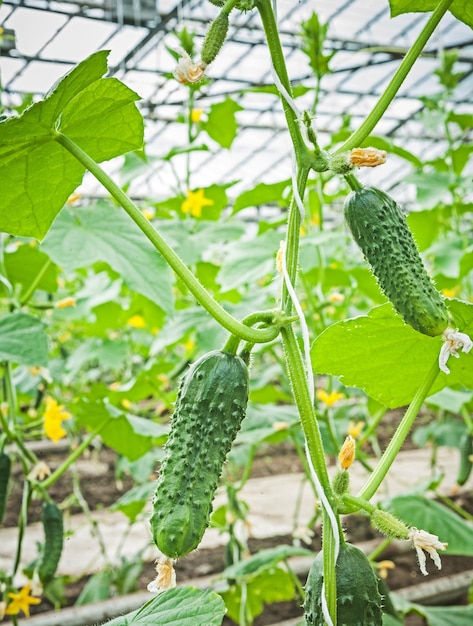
x=22 y=522
x=297 y=376
x=357 y=138
x=32 y=288
x=455 y=507
x=400 y=435
x=195 y=287
x=380 y=548
x=270 y=26
x=330 y=576
x=74 y=455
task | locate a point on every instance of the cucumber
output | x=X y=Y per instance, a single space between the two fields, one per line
x=358 y=597
x=466 y=454
x=53 y=526
x=380 y=229
x=5 y=470
x=210 y=407
x=215 y=38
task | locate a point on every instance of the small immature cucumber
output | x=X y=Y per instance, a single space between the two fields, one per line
x=215 y=38
x=466 y=458
x=358 y=597
x=381 y=231
x=5 y=470
x=53 y=526
x=210 y=407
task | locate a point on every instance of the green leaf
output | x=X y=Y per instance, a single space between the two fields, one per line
x=262 y=561
x=461 y=9
x=25 y=264
x=425 y=514
x=445 y=615
x=98 y=587
x=221 y=123
x=129 y=435
x=38 y=174
x=133 y=501
x=261 y=194
x=181 y=606
x=387 y=358
x=83 y=236
x=450 y=400
x=23 y=340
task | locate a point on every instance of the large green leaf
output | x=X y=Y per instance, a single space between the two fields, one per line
x=261 y=194
x=38 y=174
x=26 y=263
x=445 y=615
x=221 y=123
x=23 y=340
x=425 y=514
x=264 y=560
x=387 y=358
x=129 y=435
x=181 y=606
x=461 y=9
x=83 y=236
x=134 y=500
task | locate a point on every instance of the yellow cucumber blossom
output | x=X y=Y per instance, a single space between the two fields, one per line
x=329 y=399
x=166 y=576
x=21 y=601
x=40 y=471
x=53 y=417
x=65 y=303
x=453 y=341
x=422 y=540
x=186 y=71
x=354 y=430
x=367 y=157
x=136 y=321
x=346 y=455
x=196 y=115
x=195 y=202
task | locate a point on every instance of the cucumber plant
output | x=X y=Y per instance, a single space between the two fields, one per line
x=212 y=397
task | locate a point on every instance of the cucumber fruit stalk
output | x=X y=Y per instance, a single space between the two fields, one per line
x=358 y=597
x=5 y=470
x=210 y=407
x=53 y=526
x=380 y=229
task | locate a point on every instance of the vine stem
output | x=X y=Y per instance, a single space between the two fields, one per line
x=357 y=138
x=74 y=455
x=195 y=287
x=396 y=443
x=32 y=288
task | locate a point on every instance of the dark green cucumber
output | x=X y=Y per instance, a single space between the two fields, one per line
x=466 y=457
x=53 y=526
x=358 y=597
x=210 y=407
x=381 y=231
x=5 y=470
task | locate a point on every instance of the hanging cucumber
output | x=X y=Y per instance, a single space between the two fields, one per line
x=466 y=458
x=210 y=407
x=5 y=470
x=358 y=597
x=380 y=229
x=53 y=526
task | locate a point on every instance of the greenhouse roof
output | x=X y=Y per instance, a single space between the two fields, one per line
x=42 y=40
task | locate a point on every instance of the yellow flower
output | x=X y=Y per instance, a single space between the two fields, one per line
x=336 y=296
x=196 y=114
x=280 y=426
x=148 y=213
x=73 y=198
x=126 y=404
x=354 y=430
x=21 y=602
x=65 y=303
x=346 y=455
x=367 y=157
x=451 y=293
x=166 y=576
x=195 y=203
x=186 y=71
x=53 y=417
x=384 y=567
x=329 y=399
x=136 y=321
x=40 y=471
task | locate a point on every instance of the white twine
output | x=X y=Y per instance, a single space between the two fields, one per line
x=310 y=381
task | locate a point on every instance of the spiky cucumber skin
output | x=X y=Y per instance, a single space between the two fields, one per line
x=5 y=470
x=358 y=597
x=53 y=525
x=210 y=407
x=215 y=38
x=380 y=229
